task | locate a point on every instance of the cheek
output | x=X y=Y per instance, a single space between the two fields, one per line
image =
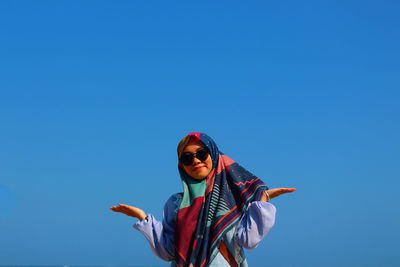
x=209 y=163
x=186 y=169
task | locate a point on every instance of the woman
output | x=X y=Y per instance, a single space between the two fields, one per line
x=222 y=209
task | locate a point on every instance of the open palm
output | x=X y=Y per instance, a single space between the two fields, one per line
x=130 y=211
x=275 y=192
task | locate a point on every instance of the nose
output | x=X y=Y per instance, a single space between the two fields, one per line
x=196 y=161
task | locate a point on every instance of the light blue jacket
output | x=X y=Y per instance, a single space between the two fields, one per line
x=248 y=233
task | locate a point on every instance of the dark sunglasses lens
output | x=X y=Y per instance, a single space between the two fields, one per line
x=202 y=154
x=187 y=158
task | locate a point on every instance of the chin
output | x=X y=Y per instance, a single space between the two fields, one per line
x=199 y=177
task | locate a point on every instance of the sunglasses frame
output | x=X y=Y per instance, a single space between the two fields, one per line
x=194 y=155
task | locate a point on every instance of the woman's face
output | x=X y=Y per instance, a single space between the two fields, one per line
x=198 y=169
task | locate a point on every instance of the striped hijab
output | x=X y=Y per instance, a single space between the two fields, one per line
x=212 y=206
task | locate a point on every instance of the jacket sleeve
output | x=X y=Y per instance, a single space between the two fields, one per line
x=255 y=224
x=161 y=235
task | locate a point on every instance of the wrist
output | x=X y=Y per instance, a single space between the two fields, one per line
x=265 y=197
x=142 y=216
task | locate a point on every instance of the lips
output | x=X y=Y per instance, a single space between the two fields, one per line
x=197 y=168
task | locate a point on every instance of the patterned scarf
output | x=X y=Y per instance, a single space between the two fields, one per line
x=212 y=206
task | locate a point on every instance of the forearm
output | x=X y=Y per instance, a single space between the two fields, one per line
x=156 y=236
x=255 y=224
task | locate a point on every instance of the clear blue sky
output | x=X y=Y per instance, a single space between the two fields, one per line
x=95 y=96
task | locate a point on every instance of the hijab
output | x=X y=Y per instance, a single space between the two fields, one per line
x=212 y=206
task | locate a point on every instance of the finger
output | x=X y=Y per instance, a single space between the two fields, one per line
x=118 y=208
x=287 y=190
x=115 y=209
x=275 y=192
x=284 y=191
x=121 y=206
x=292 y=189
x=125 y=207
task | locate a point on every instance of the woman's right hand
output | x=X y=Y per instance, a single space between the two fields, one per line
x=130 y=211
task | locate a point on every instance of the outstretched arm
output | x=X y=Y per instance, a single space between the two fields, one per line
x=258 y=219
x=275 y=192
x=130 y=211
x=159 y=235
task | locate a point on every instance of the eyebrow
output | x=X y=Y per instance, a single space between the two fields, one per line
x=196 y=150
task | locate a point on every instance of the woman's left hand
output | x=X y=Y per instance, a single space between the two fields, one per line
x=276 y=192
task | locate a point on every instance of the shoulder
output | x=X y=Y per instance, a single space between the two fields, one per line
x=173 y=203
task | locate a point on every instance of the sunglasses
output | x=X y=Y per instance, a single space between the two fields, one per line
x=187 y=158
